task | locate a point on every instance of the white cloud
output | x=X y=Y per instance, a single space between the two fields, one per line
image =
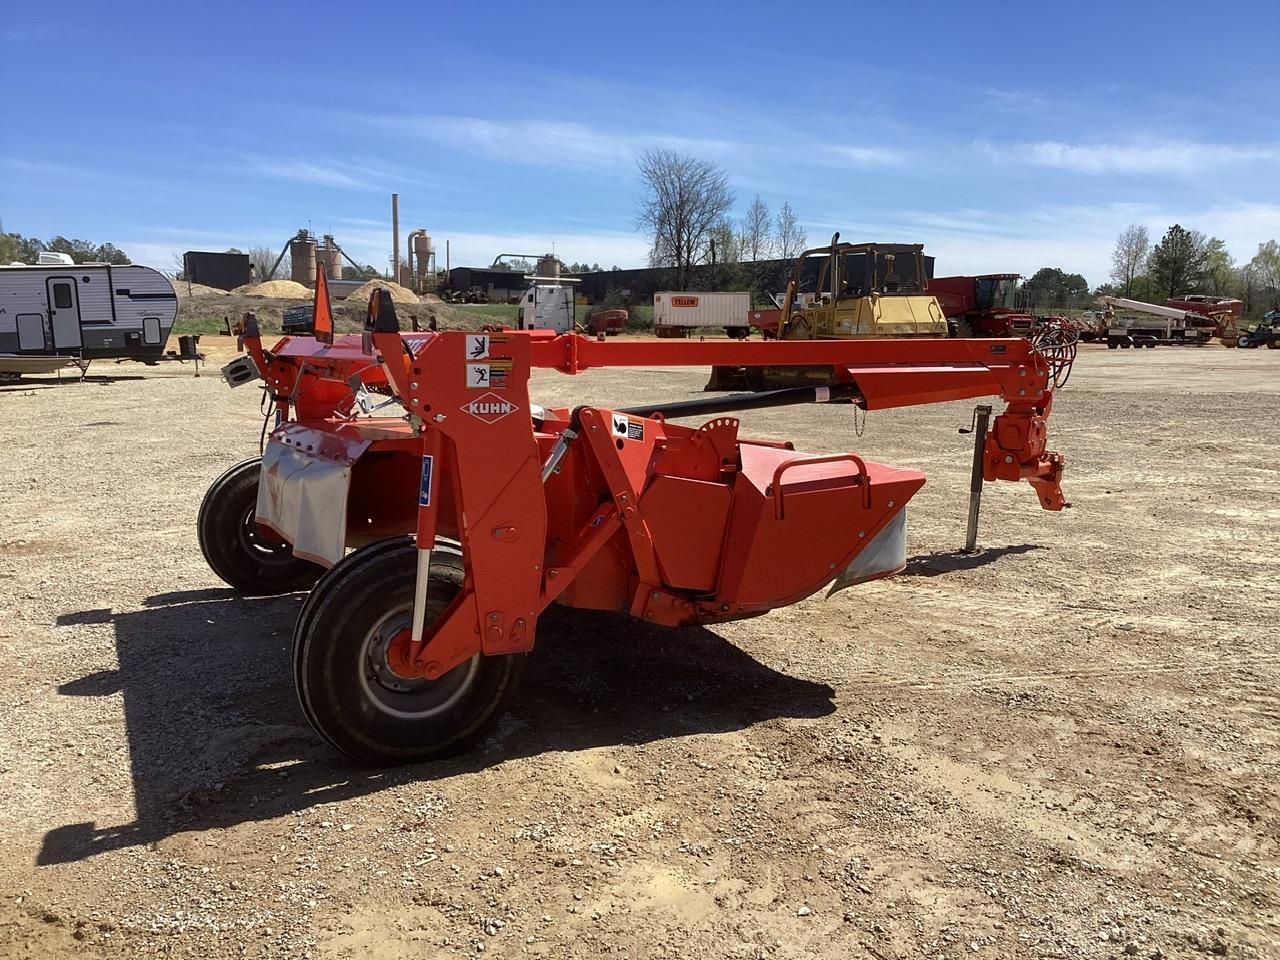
x=1175 y=157
x=550 y=143
x=862 y=156
x=304 y=171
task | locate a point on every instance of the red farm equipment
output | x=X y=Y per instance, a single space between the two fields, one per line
x=608 y=322
x=982 y=306
x=471 y=509
x=1221 y=313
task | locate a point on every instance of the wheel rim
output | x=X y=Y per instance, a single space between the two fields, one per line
x=407 y=698
x=261 y=544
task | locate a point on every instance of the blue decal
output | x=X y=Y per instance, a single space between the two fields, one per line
x=424 y=495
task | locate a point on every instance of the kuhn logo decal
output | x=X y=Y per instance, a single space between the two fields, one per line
x=684 y=301
x=489 y=407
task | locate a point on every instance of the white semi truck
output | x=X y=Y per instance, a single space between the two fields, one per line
x=546 y=307
x=677 y=314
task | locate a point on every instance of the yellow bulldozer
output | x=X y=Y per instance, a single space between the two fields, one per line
x=846 y=291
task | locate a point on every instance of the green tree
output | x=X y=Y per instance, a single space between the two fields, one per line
x=110 y=253
x=1265 y=267
x=1055 y=288
x=1178 y=262
x=1219 y=267
x=16 y=248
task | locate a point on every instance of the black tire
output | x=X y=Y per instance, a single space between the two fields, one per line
x=350 y=695
x=337 y=571
x=237 y=549
x=1273 y=344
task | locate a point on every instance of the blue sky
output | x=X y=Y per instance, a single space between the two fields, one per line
x=1004 y=136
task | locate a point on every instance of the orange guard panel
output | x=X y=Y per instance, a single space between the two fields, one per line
x=686 y=521
x=771 y=563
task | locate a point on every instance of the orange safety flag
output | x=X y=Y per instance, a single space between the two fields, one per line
x=322 y=312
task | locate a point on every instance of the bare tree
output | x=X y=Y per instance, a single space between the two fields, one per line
x=789 y=238
x=262 y=259
x=684 y=199
x=1130 y=256
x=728 y=243
x=756 y=238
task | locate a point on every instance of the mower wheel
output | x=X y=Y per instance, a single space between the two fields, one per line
x=1273 y=344
x=337 y=571
x=347 y=685
x=237 y=549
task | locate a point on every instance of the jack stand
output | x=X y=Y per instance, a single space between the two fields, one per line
x=981 y=418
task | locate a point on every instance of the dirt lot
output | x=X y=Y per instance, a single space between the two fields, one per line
x=1065 y=746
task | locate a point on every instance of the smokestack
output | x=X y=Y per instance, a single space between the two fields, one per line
x=395 y=238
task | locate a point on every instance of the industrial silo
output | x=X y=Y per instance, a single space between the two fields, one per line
x=302 y=251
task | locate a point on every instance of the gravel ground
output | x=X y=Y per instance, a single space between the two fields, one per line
x=1064 y=746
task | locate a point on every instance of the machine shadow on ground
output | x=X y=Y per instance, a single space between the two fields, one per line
x=937 y=564
x=67 y=382
x=212 y=721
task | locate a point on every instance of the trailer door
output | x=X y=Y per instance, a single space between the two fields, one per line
x=64 y=312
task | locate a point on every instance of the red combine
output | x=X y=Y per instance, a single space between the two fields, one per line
x=472 y=509
x=982 y=306
x=1222 y=313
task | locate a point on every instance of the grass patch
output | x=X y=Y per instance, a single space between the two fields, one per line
x=486 y=312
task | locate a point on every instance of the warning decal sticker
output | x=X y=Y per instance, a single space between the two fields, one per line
x=625 y=427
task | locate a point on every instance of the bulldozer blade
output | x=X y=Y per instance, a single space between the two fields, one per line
x=726 y=378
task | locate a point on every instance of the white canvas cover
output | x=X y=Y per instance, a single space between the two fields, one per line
x=304 y=499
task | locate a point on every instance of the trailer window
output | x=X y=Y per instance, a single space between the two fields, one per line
x=62 y=296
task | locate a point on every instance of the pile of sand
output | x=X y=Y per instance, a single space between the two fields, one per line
x=399 y=294
x=183 y=289
x=276 y=290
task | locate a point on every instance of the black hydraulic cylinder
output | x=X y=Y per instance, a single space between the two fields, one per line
x=748 y=401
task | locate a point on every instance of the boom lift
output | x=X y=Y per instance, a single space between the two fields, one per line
x=471 y=509
x=1158 y=325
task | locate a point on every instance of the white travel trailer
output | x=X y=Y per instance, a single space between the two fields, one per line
x=54 y=314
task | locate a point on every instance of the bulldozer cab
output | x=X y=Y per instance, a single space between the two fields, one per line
x=857 y=290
